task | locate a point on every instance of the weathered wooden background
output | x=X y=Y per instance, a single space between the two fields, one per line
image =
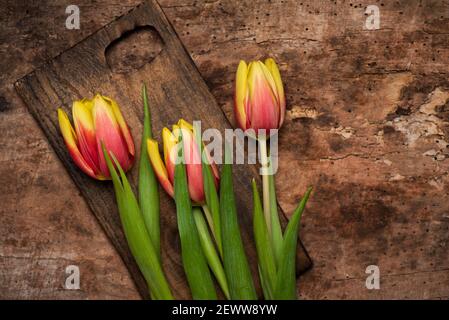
x=367 y=125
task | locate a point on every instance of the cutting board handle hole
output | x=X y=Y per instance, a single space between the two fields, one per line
x=133 y=49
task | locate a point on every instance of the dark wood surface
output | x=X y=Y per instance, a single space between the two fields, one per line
x=366 y=125
x=107 y=62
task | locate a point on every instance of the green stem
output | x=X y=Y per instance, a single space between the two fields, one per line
x=276 y=234
x=212 y=206
x=211 y=224
x=209 y=251
x=265 y=182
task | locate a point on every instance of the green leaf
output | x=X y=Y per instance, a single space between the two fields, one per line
x=286 y=275
x=193 y=259
x=212 y=201
x=118 y=186
x=136 y=234
x=276 y=230
x=209 y=250
x=238 y=273
x=267 y=265
x=148 y=186
x=211 y=195
x=267 y=290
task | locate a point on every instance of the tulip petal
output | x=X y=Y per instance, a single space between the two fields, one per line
x=241 y=95
x=264 y=106
x=196 y=158
x=269 y=78
x=70 y=140
x=212 y=164
x=170 y=147
x=108 y=131
x=194 y=167
x=123 y=126
x=274 y=70
x=85 y=131
x=192 y=160
x=185 y=125
x=158 y=166
x=215 y=173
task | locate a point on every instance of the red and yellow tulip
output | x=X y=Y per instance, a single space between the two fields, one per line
x=259 y=96
x=97 y=121
x=165 y=169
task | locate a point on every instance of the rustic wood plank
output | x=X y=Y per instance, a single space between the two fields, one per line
x=176 y=90
x=330 y=66
x=38 y=240
x=358 y=128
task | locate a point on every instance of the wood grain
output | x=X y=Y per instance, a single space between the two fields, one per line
x=176 y=90
x=377 y=199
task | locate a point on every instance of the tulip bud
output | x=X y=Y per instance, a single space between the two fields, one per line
x=97 y=121
x=165 y=169
x=259 y=96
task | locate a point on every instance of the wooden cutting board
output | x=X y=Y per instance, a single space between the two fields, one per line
x=107 y=63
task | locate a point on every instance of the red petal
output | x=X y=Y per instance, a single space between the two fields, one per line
x=108 y=132
x=193 y=166
x=263 y=103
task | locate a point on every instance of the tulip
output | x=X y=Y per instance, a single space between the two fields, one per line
x=165 y=169
x=259 y=96
x=97 y=121
x=260 y=105
x=191 y=181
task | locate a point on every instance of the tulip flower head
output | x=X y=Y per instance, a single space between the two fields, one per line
x=259 y=96
x=97 y=121
x=165 y=169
